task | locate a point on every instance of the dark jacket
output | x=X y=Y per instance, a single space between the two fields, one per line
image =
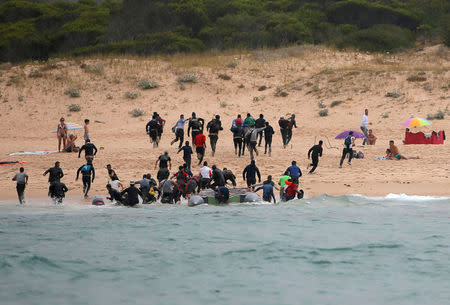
x=250 y=172
x=58 y=189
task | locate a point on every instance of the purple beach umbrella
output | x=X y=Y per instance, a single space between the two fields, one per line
x=345 y=134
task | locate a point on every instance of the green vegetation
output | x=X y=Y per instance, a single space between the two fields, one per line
x=440 y=115
x=137 y=112
x=146 y=85
x=72 y=92
x=74 y=108
x=323 y=112
x=131 y=95
x=37 y=30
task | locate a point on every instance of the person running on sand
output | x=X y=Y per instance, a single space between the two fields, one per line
x=371 y=138
x=268 y=133
x=161 y=123
x=55 y=172
x=178 y=129
x=315 y=152
x=21 y=179
x=163 y=174
x=238 y=138
x=214 y=126
x=259 y=123
x=237 y=121
x=200 y=146
x=61 y=133
x=249 y=174
x=291 y=125
x=70 y=145
x=187 y=154
x=348 y=149
x=252 y=136
x=89 y=150
x=365 y=124
x=86 y=171
x=86 y=135
x=294 y=171
x=395 y=154
x=195 y=125
x=152 y=129
x=284 y=125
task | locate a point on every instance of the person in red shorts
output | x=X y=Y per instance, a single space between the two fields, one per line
x=200 y=146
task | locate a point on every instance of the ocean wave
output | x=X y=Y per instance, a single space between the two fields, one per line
x=401 y=197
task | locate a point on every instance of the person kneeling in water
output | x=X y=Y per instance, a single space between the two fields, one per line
x=291 y=190
x=133 y=194
x=114 y=194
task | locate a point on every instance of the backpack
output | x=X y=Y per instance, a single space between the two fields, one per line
x=86 y=169
x=348 y=141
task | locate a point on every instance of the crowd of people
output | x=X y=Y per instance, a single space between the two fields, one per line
x=247 y=133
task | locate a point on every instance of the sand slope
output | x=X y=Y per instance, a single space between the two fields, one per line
x=30 y=108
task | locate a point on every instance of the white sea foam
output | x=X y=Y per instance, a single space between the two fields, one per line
x=403 y=197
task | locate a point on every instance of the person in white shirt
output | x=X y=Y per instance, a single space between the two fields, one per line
x=178 y=129
x=115 y=184
x=205 y=174
x=365 y=124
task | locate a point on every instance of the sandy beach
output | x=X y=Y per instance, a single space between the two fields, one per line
x=30 y=109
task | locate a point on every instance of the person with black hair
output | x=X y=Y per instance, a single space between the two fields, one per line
x=21 y=180
x=86 y=171
x=259 y=123
x=89 y=150
x=249 y=174
x=55 y=172
x=214 y=126
x=195 y=126
x=314 y=153
x=268 y=133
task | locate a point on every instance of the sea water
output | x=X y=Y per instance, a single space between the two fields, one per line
x=324 y=250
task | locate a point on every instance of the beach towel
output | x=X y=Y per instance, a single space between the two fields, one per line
x=12 y=162
x=39 y=152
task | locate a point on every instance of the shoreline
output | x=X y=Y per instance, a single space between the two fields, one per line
x=410 y=190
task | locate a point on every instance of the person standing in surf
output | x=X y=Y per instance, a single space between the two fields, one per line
x=86 y=171
x=21 y=179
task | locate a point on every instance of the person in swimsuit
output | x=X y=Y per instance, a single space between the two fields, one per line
x=86 y=135
x=395 y=154
x=61 y=133
x=70 y=146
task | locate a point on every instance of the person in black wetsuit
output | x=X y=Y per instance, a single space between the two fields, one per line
x=153 y=129
x=55 y=172
x=132 y=195
x=259 y=123
x=291 y=125
x=214 y=126
x=217 y=177
x=316 y=151
x=268 y=133
x=195 y=125
x=57 y=191
x=89 y=150
x=111 y=173
x=249 y=174
x=238 y=138
x=86 y=171
x=187 y=154
x=284 y=125
x=114 y=194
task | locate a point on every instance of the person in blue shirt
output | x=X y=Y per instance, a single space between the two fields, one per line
x=267 y=192
x=294 y=171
